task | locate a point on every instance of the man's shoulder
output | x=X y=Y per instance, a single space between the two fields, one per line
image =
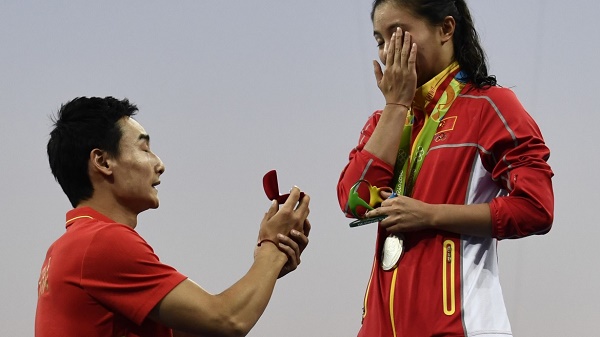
x=95 y=230
x=114 y=235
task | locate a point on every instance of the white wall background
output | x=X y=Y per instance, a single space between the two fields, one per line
x=231 y=89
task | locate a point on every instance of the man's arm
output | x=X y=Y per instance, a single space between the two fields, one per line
x=235 y=311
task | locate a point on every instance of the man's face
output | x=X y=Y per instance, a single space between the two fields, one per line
x=137 y=170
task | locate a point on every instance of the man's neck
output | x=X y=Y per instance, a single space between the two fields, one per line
x=113 y=210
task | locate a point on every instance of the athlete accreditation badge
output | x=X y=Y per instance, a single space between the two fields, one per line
x=393 y=247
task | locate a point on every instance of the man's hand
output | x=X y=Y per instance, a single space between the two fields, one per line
x=281 y=220
x=288 y=228
x=293 y=247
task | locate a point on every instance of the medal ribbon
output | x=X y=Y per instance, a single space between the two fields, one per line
x=443 y=90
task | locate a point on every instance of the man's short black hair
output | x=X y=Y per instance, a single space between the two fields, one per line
x=81 y=125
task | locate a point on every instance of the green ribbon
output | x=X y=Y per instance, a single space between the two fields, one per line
x=409 y=162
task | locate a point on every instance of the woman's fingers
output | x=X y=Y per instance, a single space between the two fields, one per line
x=389 y=59
x=378 y=71
x=406 y=49
x=398 y=46
x=412 y=59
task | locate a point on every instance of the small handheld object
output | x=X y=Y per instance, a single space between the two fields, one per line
x=354 y=200
x=271 y=187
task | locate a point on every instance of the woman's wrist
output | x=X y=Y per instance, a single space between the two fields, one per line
x=407 y=106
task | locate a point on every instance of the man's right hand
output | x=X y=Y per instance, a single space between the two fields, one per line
x=281 y=220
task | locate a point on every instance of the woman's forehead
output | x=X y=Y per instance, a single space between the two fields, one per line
x=388 y=14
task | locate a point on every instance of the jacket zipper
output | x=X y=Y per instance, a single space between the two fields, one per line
x=448 y=295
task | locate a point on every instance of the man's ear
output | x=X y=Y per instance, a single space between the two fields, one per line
x=100 y=162
x=447 y=29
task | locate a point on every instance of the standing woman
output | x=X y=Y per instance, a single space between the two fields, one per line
x=469 y=166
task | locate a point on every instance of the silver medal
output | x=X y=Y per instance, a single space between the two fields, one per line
x=393 y=247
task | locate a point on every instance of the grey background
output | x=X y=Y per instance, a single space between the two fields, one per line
x=231 y=89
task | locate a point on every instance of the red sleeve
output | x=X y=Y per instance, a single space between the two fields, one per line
x=517 y=158
x=363 y=165
x=121 y=271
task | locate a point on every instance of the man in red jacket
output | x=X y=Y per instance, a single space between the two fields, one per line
x=100 y=278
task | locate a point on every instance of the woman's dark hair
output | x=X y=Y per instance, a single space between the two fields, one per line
x=467 y=50
x=82 y=125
